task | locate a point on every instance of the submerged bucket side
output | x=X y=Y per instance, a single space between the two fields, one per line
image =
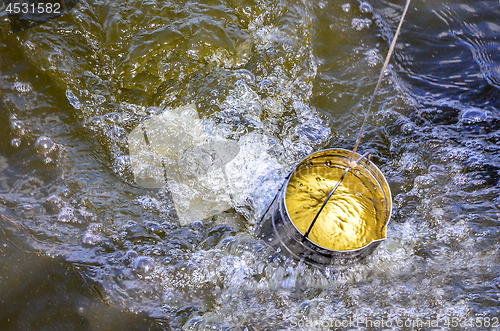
x=278 y=228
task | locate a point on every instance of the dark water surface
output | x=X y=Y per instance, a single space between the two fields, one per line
x=83 y=247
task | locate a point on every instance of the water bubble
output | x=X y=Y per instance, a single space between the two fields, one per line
x=95 y=227
x=30 y=45
x=54 y=201
x=408 y=128
x=99 y=99
x=424 y=181
x=361 y=23
x=65 y=215
x=66 y=193
x=346 y=7
x=92 y=238
x=152 y=204
x=246 y=75
x=372 y=57
x=474 y=115
x=18 y=127
x=131 y=255
x=144 y=265
x=23 y=87
x=266 y=86
x=196 y=162
x=197 y=225
x=44 y=145
x=88 y=216
x=16 y=142
x=121 y=165
x=436 y=168
x=365 y=7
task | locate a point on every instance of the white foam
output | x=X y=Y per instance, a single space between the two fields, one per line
x=205 y=173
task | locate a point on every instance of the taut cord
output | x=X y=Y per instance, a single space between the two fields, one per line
x=352 y=163
x=386 y=63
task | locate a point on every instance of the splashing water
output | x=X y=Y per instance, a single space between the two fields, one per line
x=280 y=79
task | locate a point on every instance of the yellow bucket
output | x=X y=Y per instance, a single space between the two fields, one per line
x=351 y=225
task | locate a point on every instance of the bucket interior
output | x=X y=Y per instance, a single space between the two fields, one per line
x=356 y=214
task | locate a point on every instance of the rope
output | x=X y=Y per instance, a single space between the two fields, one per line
x=386 y=63
x=353 y=163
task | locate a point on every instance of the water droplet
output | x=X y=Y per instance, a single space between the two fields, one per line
x=66 y=215
x=18 y=127
x=266 y=86
x=131 y=255
x=44 y=145
x=95 y=227
x=16 y=142
x=365 y=7
x=318 y=179
x=99 y=99
x=408 y=128
x=23 y=87
x=144 y=265
x=372 y=57
x=197 y=225
x=91 y=238
x=73 y=100
x=54 y=200
x=66 y=193
x=360 y=23
x=474 y=115
x=30 y=45
x=246 y=75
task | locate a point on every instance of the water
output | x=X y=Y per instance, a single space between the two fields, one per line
x=300 y=74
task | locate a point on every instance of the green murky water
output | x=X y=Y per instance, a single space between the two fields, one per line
x=282 y=79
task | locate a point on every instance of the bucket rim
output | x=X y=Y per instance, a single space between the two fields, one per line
x=368 y=162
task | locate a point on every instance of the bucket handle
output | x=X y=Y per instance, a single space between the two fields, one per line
x=276 y=195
